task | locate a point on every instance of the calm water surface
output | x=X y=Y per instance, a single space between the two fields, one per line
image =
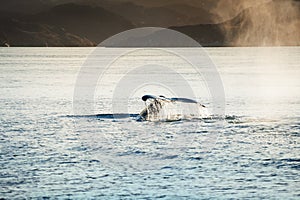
x=47 y=151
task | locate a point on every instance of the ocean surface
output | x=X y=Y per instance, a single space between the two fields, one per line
x=49 y=150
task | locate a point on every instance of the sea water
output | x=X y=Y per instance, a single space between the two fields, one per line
x=47 y=151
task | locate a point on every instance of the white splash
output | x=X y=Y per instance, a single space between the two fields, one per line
x=163 y=109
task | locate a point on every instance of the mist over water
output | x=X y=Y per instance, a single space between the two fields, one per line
x=264 y=23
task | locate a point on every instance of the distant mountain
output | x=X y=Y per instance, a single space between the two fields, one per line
x=62 y=25
x=142 y=16
x=24 y=6
x=205 y=34
x=194 y=15
x=17 y=33
x=94 y=23
x=165 y=3
x=163 y=16
x=89 y=22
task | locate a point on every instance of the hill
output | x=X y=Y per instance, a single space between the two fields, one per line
x=17 y=33
x=63 y=25
x=89 y=22
x=94 y=23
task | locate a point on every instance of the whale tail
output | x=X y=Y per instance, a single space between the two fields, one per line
x=161 y=108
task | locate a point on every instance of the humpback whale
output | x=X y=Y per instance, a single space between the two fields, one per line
x=160 y=108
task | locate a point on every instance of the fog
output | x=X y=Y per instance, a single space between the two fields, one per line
x=263 y=23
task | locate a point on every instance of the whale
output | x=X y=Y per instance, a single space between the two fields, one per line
x=157 y=104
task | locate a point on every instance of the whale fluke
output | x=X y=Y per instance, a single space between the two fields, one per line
x=161 y=107
x=161 y=97
x=146 y=97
